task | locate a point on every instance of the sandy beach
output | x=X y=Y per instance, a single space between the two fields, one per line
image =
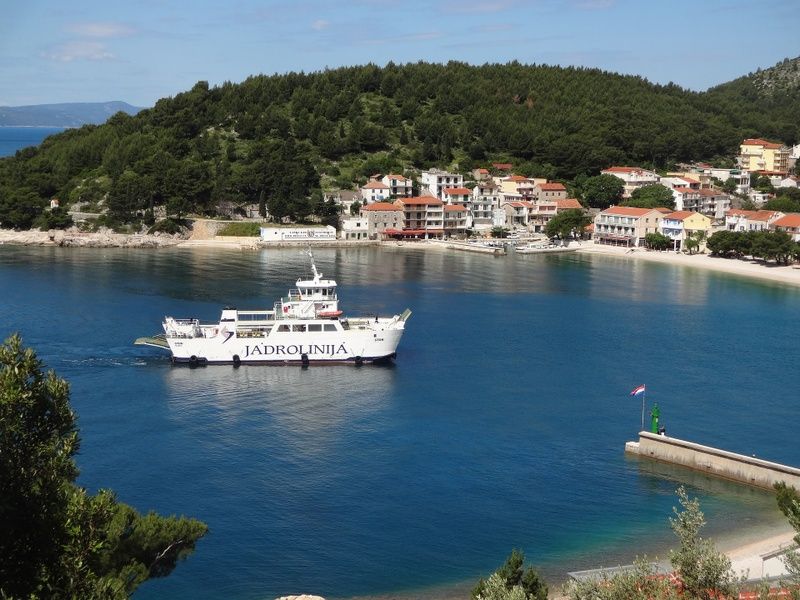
x=745 y=268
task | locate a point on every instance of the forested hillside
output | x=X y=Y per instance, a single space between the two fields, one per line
x=279 y=139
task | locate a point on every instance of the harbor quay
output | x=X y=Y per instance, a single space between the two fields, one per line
x=744 y=469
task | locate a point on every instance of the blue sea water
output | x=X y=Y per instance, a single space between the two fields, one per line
x=17 y=138
x=501 y=425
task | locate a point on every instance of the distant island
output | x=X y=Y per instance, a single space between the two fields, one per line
x=67 y=114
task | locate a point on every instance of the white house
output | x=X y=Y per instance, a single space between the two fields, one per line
x=632 y=177
x=375 y=191
x=435 y=181
x=399 y=186
x=355 y=228
x=750 y=220
x=789 y=223
x=626 y=225
x=456 y=195
x=484 y=202
x=791 y=181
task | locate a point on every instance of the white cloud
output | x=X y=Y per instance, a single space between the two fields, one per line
x=320 y=24
x=101 y=30
x=81 y=50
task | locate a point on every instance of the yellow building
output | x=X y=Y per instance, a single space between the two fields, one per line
x=761 y=155
x=681 y=224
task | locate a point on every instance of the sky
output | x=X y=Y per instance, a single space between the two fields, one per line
x=141 y=50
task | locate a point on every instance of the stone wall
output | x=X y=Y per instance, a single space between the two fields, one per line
x=721 y=463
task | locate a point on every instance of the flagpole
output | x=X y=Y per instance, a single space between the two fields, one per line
x=644 y=393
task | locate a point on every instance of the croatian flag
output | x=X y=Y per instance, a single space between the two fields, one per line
x=638 y=391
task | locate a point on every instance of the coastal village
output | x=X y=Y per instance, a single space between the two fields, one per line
x=495 y=201
x=483 y=300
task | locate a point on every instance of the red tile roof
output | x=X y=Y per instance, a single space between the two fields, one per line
x=374 y=185
x=483 y=170
x=457 y=191
x=502 y=166
x=621 y=170
x=453 y=207
x=790 y=220
x=627 y=211
x=752 y=215
x=679 y=215
x=760 y=142
x=552 y=187
x=381 y=206
x=567 y=203
x=397 y=177
x=518 y=178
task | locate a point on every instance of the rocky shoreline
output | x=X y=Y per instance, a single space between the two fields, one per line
x=79 y=239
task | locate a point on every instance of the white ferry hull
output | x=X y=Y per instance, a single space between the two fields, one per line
x=288 y=348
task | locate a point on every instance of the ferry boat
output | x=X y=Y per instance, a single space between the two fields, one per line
x=304 y=327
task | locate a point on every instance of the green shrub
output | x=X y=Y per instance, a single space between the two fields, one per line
x=169 y=225
x=246 y=229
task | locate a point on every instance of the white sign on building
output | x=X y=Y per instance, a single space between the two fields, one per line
x=298 y=234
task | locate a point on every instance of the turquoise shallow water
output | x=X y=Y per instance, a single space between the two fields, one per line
x=502 y=424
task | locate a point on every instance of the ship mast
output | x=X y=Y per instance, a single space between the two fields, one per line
x=317 y=274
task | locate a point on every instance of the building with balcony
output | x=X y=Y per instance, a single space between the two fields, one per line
x=756 y=154
x=626 y=225
x=544 y=210
x=399 y=186
x=482 y=205
x=680 y=225
x=423 y=217
x=456 y=195
x=518 y=213
x=750 y=220
x=455 y=220
x=435 y=181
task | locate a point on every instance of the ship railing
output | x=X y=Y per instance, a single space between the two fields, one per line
x=186 y=321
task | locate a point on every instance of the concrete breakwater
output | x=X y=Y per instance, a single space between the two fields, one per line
x=720 y=463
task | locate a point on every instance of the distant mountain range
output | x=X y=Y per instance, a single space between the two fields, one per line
x=67 y=114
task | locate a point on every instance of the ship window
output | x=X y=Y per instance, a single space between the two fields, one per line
x=298 y=327
x=315 y=327
x=283 y=328
x=330 y=327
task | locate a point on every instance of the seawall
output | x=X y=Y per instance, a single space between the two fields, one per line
x=721 y=463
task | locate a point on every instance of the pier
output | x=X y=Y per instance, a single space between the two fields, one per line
x=720 y=463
